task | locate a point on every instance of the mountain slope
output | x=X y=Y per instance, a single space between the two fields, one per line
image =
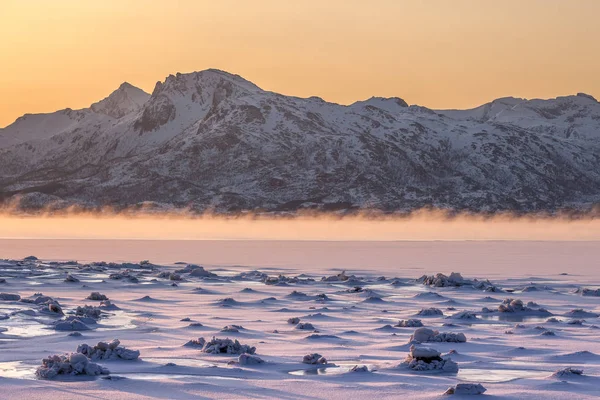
x=213 y=140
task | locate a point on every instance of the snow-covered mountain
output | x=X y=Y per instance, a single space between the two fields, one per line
x=213 y=140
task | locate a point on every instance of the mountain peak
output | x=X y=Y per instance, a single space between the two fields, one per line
x=587 y=96
x=125 y=100
x=201 y=80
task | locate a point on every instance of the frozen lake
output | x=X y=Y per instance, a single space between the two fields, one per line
x=401 y=258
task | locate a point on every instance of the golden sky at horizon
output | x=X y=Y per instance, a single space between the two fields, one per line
x=437 y=53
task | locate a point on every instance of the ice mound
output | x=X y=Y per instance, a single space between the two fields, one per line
x=71 y=364
x=316 y=336
x=428 y=295
x=71 y=324
x=248 y=359
x=468 y=315
x=373 y=299
x=409 y=323
x=568 y=372
x=430 y=312
x=314 y=358
x=97 y=296
x=232 y=328
x=9 y=297
x=428 y=359
x=580 y=313
x=227 y=346
x=297 y=295
x=423 y=335
x=108 y=351
x=466 y=389
x=228 y=301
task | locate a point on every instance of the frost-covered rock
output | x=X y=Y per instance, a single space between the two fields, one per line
x=293 y=321
x=108 y=351
x=466 y=389
x=200 y=272
x=70 y=364
x=410 y=323
x=456 y=280
x=423 y=335
x=248 y=359
x=428 y=359
x=341 y=277
x=71 y=279
x=108 y=305
x=441 y=280
x=430 y=312
x=314 y=358
x=196 y=271
x=227 y=346
x=567 y=373
x=199 y=343
x=97 y=296
x=356 y=368
x=172 y=276
x=123 y=275
x=88 y=312
x=588 y=292
x=305 y=326
x=517 y=306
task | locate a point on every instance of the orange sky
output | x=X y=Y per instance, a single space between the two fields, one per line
x=437 y=53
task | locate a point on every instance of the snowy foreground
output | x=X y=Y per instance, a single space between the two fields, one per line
x=292 y=336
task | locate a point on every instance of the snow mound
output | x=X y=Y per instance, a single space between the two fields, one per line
x=466 y=389
x=568 y=372
x=314 y=358
x=430 y=312
x=71 y=324
x=248 y=359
